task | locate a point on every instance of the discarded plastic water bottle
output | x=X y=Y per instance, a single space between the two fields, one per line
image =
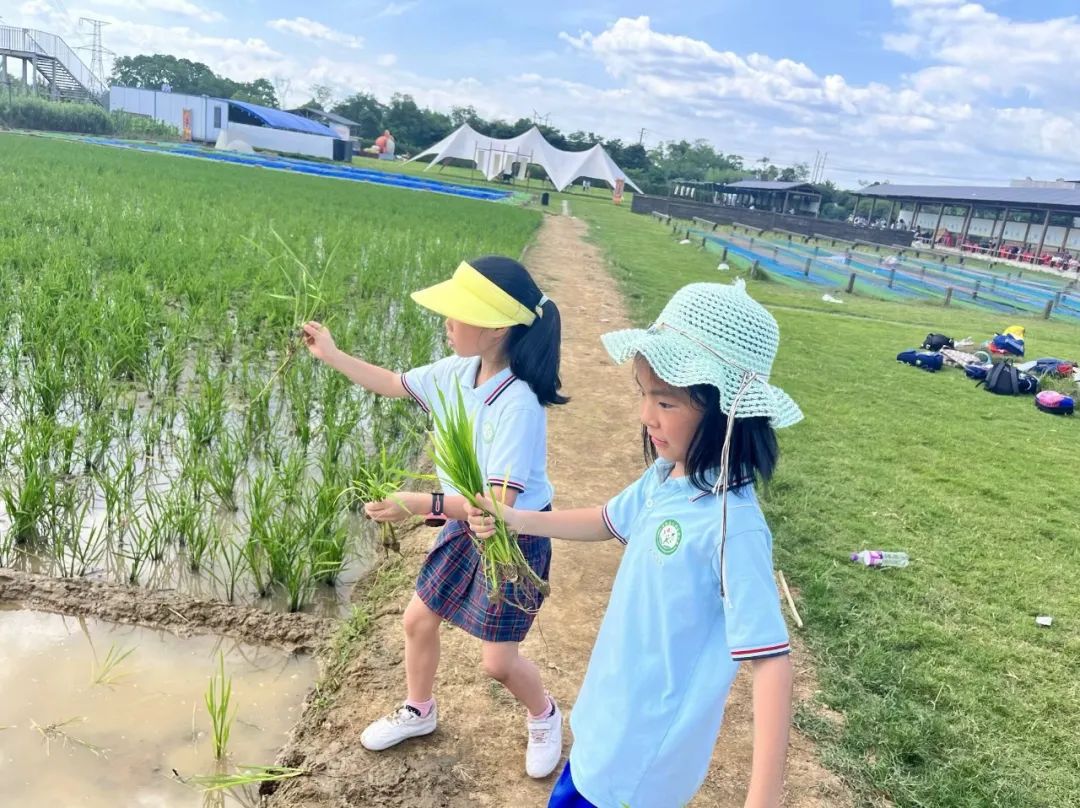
x=880 y=558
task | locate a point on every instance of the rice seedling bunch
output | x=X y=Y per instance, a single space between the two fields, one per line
x=380 y=478
x=107 y=672
x=218 y=699
x=245 y=775
x=453 y=450
x=305 y=293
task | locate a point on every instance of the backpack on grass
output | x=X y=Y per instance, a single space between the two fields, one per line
x=921 y=359
x=1006 y=380
x=935 y=342
x=1054 y=403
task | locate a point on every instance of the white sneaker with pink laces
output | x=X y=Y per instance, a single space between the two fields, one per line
x=545 y=743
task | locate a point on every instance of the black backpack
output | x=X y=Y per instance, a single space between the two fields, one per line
x=935 y=342
x=1005 y=380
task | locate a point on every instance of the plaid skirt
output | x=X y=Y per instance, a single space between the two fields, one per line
x=452 y=584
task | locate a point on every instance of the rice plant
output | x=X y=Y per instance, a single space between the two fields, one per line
x=262 y=503
x=28 y=492
x=117 y=480
x=245 y=776
x=218 y=700
x=58 y=731
x=205 y=412
x=200 y=540
x=305 y=293
x=379 y=478
x=453 y=450
x=322 y=521
x=107 y=672
x=140 y=547
x=225 y=467
x=231 y=565
x=75 y=551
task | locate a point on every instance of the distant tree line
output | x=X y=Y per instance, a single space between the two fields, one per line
x=415 y=128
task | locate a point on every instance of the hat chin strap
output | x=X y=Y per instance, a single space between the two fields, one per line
x=721 y=485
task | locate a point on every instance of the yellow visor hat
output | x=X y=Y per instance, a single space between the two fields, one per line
x=473 y=299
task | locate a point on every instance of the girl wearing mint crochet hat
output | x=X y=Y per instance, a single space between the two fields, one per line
x=695 y=594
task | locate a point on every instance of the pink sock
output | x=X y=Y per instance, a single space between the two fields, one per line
x=423 y=707
x=547 y=712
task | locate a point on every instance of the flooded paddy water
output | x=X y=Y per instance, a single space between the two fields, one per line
x=75 y=731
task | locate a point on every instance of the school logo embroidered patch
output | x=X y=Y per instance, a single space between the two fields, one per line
x=489 y=432
x=668 y=536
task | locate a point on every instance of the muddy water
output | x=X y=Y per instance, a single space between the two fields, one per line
x=121 y=739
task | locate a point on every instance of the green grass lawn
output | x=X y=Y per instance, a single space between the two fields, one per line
x=950 y=694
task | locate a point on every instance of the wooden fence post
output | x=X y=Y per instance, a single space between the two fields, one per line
x=851 y=283
x=948 y=296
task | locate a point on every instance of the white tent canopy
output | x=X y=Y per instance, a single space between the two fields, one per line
x=495 y=156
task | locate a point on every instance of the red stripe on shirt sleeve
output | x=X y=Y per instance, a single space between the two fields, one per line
x=497 y=482
x=413 y=395
x=611 y=527
x=760 y=652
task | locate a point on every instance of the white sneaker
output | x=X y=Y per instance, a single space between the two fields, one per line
x=545 y=744
x=402 y=724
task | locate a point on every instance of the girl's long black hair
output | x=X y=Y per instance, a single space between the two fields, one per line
x=533 y=350
x=754 y=451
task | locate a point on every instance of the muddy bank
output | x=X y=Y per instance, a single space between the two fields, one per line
x=183 y=615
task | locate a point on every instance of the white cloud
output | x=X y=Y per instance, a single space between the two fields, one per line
x=966 y=95
x=310 y=29
x=181 y=7
x=987 y=98
x=394 y=9
x=977 y=51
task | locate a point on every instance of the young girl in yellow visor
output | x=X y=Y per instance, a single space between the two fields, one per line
x=505 y=337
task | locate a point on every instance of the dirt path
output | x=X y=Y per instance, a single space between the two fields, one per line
x=476 y=758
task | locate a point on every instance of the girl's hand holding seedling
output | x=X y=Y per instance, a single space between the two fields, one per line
x=318 y=340
x=397 y=507
x=482 y=522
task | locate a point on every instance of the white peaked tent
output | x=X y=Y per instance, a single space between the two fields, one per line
x=496 y=156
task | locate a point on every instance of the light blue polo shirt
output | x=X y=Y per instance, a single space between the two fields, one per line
x=649 y=711
x=510 y=424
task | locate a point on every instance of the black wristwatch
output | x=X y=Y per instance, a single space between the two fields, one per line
x=436 y=518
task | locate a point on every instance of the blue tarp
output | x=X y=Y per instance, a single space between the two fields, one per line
x=334 y=170
x=278 y=119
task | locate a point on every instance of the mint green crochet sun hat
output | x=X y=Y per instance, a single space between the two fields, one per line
x=713 y=333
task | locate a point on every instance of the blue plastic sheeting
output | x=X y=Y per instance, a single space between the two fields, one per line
x=284 y=120
x=342 y=172
x=996 y=293
x=767 y=264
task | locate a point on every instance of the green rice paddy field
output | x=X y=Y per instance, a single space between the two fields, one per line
x=148 y=306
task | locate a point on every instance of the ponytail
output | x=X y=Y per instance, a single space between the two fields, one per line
x=532 y=350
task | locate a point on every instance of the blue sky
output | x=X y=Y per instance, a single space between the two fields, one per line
x=934 y=91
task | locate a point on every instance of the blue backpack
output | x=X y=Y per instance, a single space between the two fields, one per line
x=1007 y=343
x=921 y=359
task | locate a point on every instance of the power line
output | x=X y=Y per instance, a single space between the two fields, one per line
x=97 y=51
